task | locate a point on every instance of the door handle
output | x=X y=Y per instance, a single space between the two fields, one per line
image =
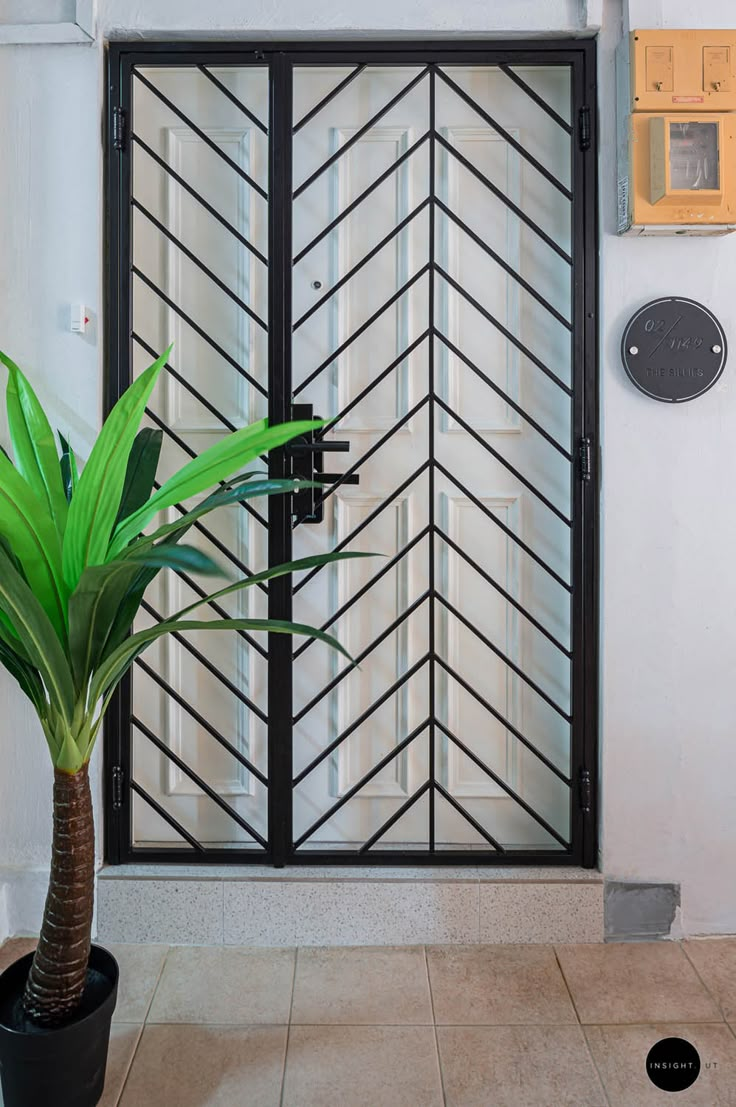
x=304 y=446
x=307 y=463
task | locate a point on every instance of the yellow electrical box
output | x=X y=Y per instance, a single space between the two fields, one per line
x=677 y=132
x=683 y=70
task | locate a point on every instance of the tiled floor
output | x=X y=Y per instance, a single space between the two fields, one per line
x=463 y=1026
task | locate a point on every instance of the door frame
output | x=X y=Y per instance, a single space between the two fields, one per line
x=580 y=55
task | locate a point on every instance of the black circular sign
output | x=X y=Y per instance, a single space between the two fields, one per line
x=673 y=1064
x=674 y=349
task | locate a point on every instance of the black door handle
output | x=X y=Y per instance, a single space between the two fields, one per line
x=301 y=446
x=307 y=453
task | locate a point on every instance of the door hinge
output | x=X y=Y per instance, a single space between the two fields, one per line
x=585 y=453
x=117 y=787
x=118 y=128
x=585 y=793
x=584 y=127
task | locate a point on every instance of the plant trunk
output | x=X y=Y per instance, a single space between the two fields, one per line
x=59 y=970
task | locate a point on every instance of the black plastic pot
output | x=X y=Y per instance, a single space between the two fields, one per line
x=64 y=1066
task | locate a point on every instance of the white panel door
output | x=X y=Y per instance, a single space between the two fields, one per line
x=195 y=282
x=428 y=316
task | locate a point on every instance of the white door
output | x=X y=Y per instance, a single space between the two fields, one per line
x=426 y=438
x=431 y=308
x=196 y=155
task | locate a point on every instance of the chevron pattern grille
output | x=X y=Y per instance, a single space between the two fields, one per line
x=399 y=246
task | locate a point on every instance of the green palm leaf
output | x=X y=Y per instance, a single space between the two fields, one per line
x=116 y=665
x=28 y=678
x=215 y=464
x=38 y=636
x=29 y=529
x=269 y=574
x=33 y=442
x=68 y=467
x=221 y=498
x=141 y=471
x=102 y=589
x=94 y=506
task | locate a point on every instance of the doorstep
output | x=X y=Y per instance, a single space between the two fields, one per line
x=251 y=905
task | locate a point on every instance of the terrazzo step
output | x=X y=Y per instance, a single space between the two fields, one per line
x=315 y=906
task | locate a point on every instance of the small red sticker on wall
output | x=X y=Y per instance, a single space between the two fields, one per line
x=688 y=99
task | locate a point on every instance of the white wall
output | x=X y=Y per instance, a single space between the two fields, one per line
x=668 y=701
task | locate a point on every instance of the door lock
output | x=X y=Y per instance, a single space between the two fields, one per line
x=307 y=463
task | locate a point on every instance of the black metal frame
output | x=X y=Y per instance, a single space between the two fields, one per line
x=580 y=56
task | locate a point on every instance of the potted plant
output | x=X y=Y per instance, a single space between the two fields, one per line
x=74 y=564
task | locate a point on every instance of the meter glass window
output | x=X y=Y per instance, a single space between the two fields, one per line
x=693 y=155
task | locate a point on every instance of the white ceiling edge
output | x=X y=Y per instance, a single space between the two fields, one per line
x=81 y=30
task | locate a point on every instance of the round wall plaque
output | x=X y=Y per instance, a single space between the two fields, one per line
x=674 y=349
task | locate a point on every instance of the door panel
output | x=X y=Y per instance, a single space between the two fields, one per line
x=439 y=282
x=204 y=695
x=401 y=240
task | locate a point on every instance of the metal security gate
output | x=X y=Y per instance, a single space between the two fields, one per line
x=402 y=240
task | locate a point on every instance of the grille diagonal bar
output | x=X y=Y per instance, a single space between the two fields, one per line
x=392 y=234
x=496 y=126
x=336 y=742
x=198 y=330
x=503 y=657
x=200 y=199
x=207 y=664
x=185 y=384
x=500 y=195
x=468 y=817
x=395 y=817
x=401 y=160
x=198 y=262
x=507 y=531
x=192 y=453
x=308 y=116
x=509 y=269
x=233 y=99
x=355 y=467
x=367 y=586
x=502 y=784
x=202 y=135
x=168 y=818
x=504 y=722
x=200 y=719
x=360 y=133
x=394 y=625
x=362 y=328
x=539 y=100
x=505 y=462
x=520 y=346
x=197 y=779
x=333 y=422
x=504 y=395
x=355 y=788
x=369 y=519
x=506 y=595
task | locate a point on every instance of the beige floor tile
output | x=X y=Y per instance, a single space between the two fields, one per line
x=140 y=967
x=620 y=1053
x=378 y=986
x=202 y=984
x=123 y=1041
x=496 y=985
x=207 y=1066
x=518 y=1066
x=635 y=982
x=362 y=1066
x=715 y=960
x=13 y=950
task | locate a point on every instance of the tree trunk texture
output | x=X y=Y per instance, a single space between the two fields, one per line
x=59 y=970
